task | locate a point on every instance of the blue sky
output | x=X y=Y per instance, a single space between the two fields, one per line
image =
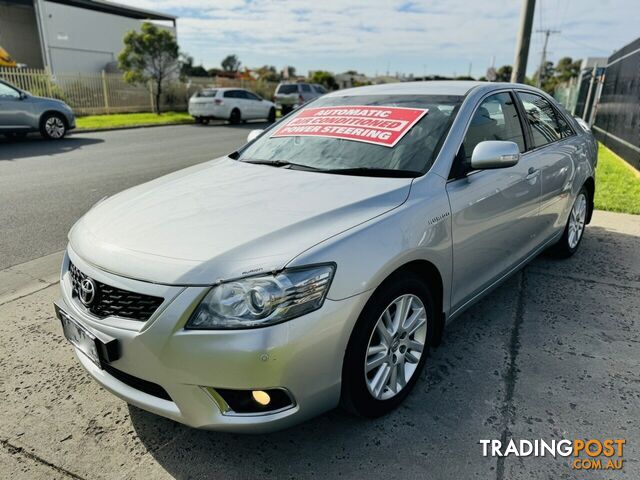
x=375 y=36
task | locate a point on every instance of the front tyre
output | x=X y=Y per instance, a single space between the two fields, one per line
x=574 y=230
x=388 y=347
x=53 y=126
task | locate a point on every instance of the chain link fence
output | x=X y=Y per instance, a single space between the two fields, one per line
x=104 y=93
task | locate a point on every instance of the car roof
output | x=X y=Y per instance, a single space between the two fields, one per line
x=430 y=87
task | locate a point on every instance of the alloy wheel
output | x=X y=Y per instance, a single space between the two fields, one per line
x=54 y=127
x=395 y=347
x=577 y=220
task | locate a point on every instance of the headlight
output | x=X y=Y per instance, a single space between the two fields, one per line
x=264 y=300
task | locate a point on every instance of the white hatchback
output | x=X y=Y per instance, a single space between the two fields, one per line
x=233 y=104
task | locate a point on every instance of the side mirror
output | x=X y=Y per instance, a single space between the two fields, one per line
x=23 y=96
x=495 y=154
x=253 y=134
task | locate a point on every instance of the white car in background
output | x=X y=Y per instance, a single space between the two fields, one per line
x=233 y=104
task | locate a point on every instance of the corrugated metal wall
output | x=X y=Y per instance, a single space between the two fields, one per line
x=617 y=122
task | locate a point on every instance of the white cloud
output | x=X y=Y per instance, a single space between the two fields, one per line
x=404 y=35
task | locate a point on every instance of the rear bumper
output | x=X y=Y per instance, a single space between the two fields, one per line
x=303 y=356
x=209 y=110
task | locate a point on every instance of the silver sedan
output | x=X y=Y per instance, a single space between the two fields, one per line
x=318 y=264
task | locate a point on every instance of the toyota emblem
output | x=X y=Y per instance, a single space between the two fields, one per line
x=87 y=291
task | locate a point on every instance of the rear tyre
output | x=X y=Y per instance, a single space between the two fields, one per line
x=272 y=115
x=197 y=119
x=574 y=230
x=388 y=347
x=204 y=120
x=53 y=126
x=286 y=109
x=235 y=117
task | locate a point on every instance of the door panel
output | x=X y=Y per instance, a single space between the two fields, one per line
x=556 y=148
x=494 y=222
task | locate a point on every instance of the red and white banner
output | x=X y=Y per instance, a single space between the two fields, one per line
x=378 y=125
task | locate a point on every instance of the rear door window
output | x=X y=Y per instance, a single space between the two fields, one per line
x=251 y=96
x=305 y=87
x=546 y=124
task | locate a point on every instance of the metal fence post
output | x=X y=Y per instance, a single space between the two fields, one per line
x=48 y=80
x=105 y=92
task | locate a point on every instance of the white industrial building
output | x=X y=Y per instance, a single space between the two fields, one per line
x=70 y=35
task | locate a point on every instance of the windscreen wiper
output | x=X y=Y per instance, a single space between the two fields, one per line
x=374 y=172
x=284 y=163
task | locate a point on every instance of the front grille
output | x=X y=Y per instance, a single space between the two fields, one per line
x=145 y=386
x=108 y=300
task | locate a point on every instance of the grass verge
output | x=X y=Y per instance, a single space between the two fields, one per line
x=617 y=184
x=118 y=120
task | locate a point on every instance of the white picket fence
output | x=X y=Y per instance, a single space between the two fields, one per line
x=94 y=94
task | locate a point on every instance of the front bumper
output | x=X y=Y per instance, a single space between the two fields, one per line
x=303 y=356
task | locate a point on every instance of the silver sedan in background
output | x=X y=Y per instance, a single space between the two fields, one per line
x=316 y=266
x=22 y=113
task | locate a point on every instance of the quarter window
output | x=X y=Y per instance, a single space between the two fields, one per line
x=305 y=87
x=546 y=124
x=495 y=119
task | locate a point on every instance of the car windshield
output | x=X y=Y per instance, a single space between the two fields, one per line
x=345 y=138
x=287 y=89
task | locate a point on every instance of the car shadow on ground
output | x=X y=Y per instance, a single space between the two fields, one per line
x=35 y=146
x=469 y=390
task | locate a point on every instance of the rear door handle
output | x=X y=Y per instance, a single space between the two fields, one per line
x=532 y=173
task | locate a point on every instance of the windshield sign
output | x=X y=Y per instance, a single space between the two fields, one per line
x=377 y=125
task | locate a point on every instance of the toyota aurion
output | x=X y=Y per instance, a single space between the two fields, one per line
x=317 y=265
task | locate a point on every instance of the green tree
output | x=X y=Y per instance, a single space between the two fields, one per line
x=151 y=55
x=325 y=79
x=268 y=73
x=566 y=69
x=188 y=69
x=230 y=63
x=503 y=74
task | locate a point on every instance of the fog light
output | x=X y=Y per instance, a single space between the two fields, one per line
x=241 y=402
x=261 y=397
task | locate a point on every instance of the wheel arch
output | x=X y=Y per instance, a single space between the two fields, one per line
x=590 y=185
x=49 y=111
x=429 y=273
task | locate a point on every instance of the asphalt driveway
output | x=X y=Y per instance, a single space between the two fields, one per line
x=46 y=186
x=553 y=353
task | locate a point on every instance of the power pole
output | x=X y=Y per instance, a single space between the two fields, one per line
x=543 y=58
x=524 y=37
